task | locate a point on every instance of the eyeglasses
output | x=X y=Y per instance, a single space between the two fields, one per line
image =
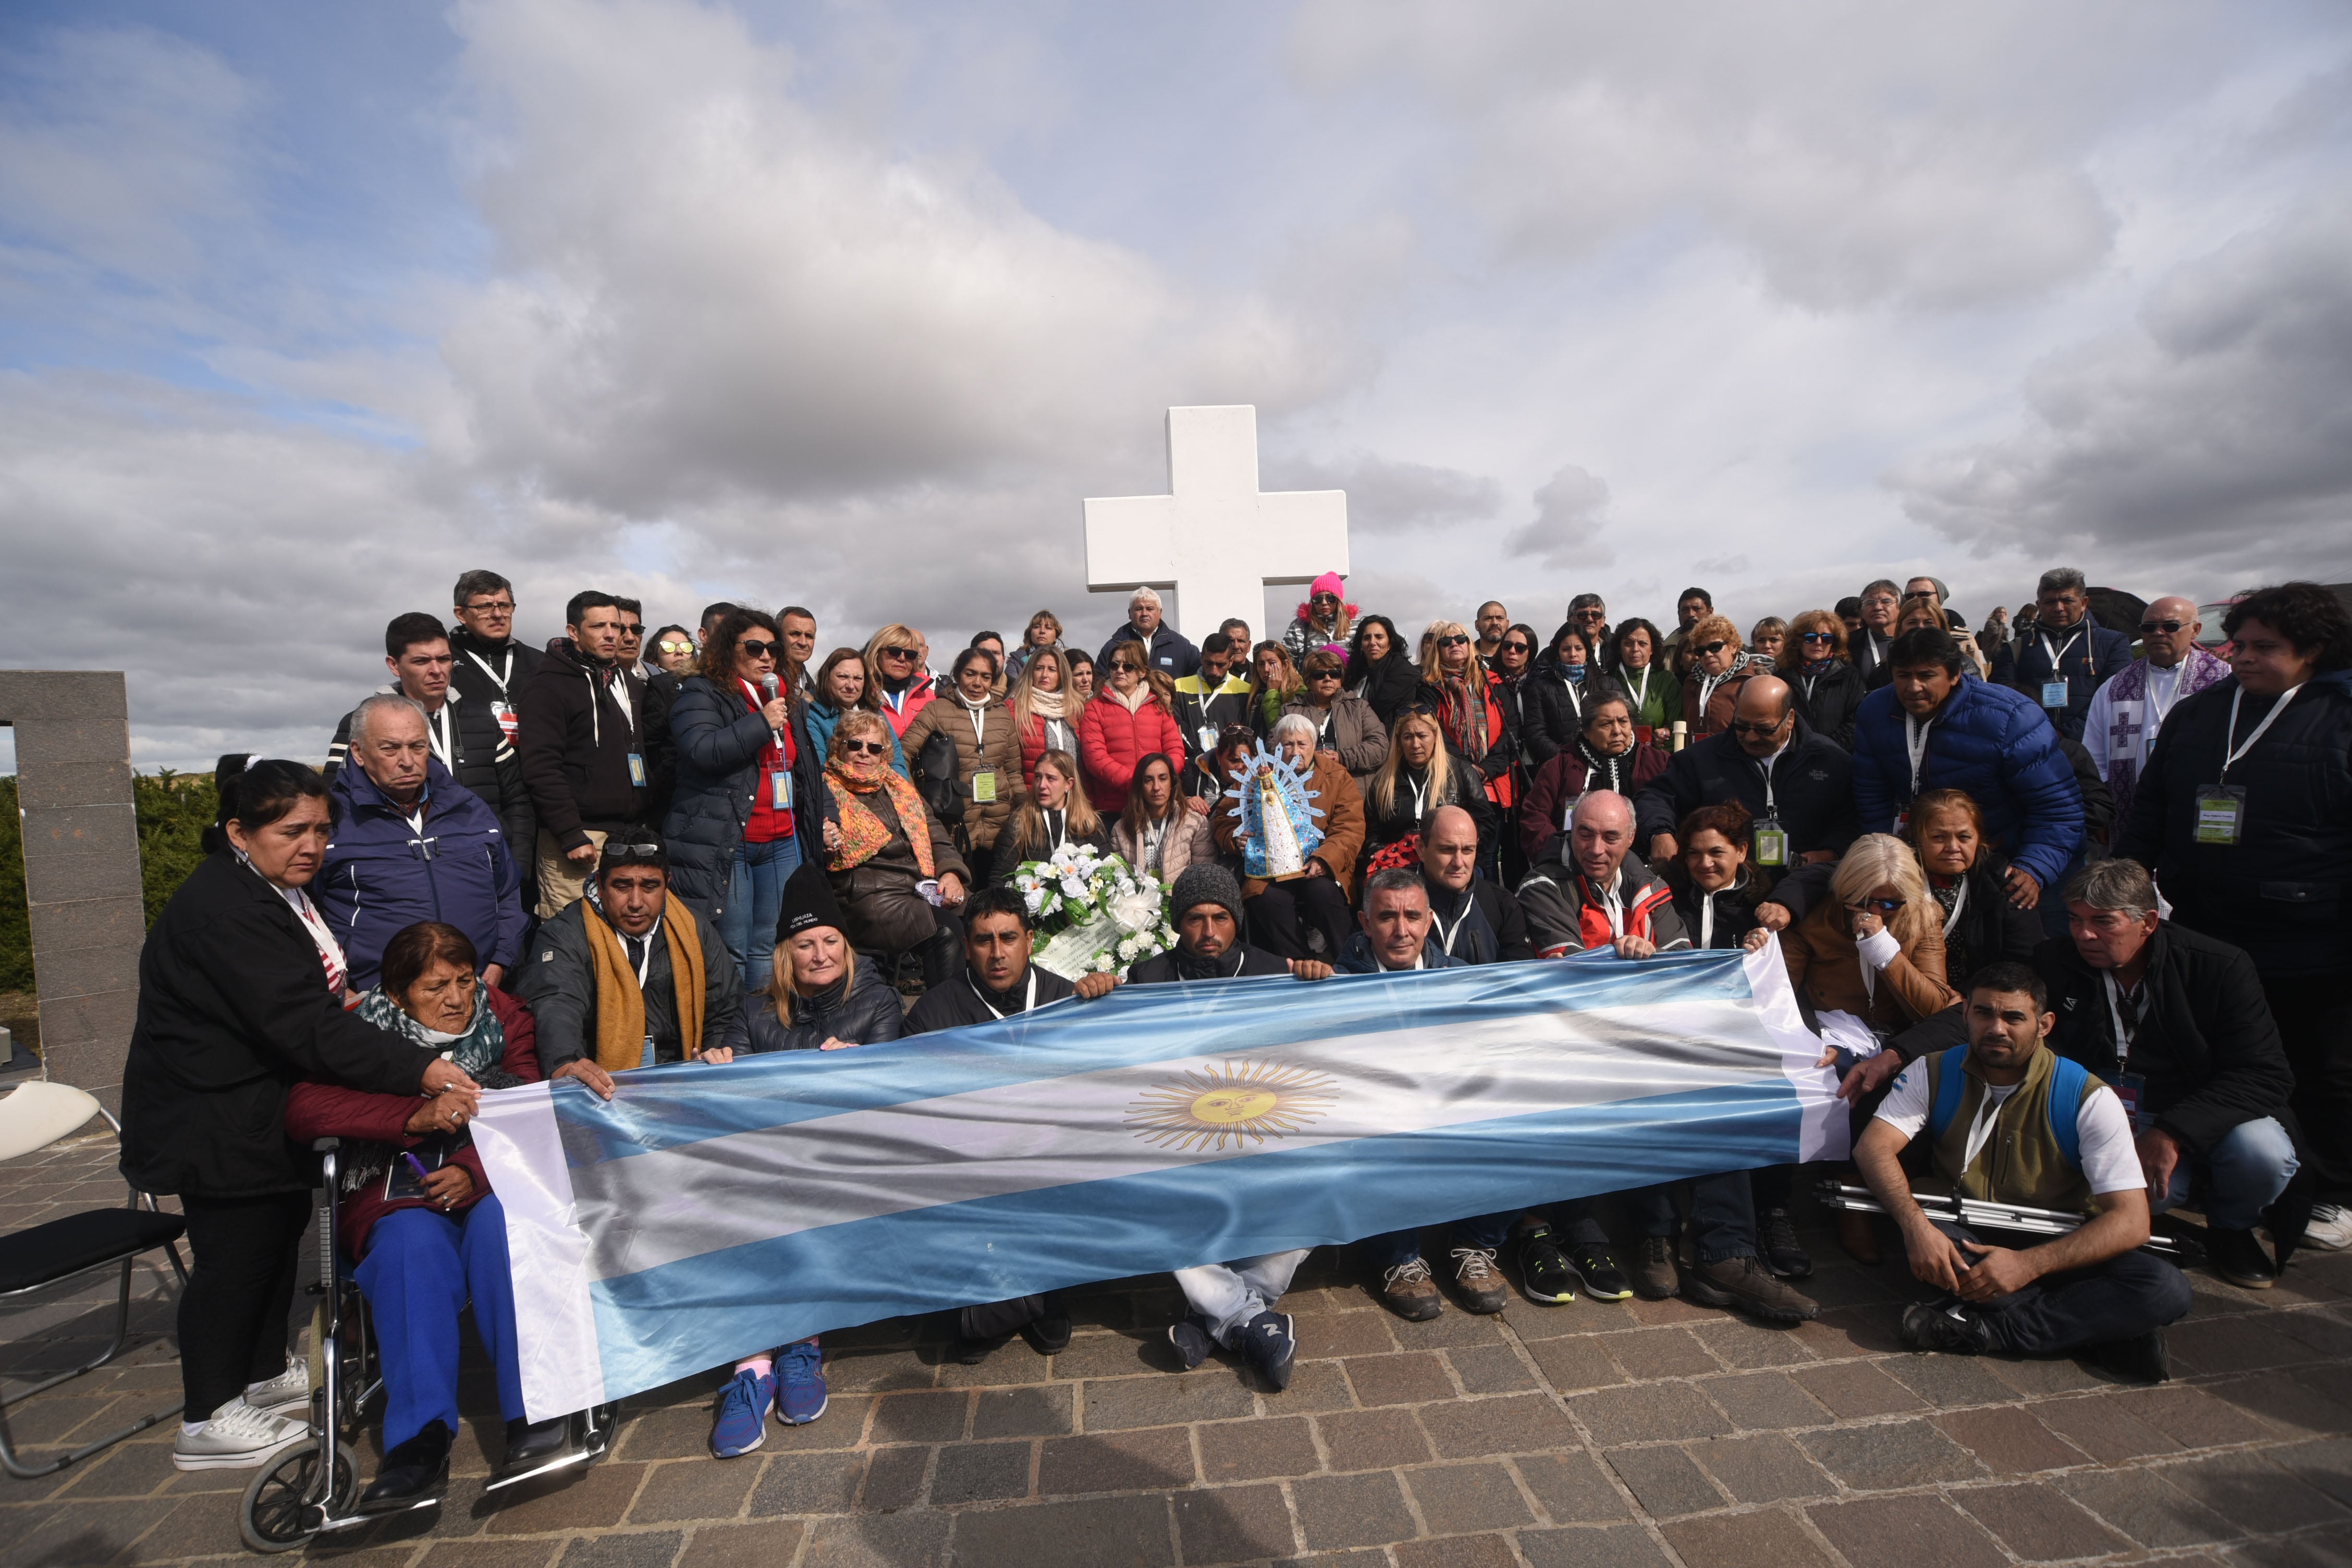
x=863 y=748
x=1818 y=636
x=1709 y=648
x=897 y=653
x=1456 y=640
x=670 y=645
x=751 y=646
x=490 y=607
x=2149 y=628
x=1756 y=726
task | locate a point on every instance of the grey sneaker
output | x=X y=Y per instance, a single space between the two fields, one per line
x=1477 y=1281
x=290 y=1387
x=237 y=1438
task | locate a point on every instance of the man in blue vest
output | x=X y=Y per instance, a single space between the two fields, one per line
x=2008 y=1120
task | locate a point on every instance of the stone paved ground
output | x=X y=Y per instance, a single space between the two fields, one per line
x=1588 y=1434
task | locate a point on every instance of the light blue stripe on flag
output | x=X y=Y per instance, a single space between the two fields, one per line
x=713 y=1212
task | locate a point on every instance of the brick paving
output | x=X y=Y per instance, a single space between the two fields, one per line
x=1590 y=1434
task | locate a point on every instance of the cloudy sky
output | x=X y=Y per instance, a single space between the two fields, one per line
x=304 y=310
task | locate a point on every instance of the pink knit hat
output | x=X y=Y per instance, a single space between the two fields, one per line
x=1326 y=584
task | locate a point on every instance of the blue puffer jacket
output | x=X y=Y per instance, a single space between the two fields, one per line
x=380 y=876
x=821 y=718
x=718 y=741
x=1994 y=743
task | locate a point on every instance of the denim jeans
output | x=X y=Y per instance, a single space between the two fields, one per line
x=1230 y=1294
x=2244 y=1174
x=2125 y=1296
x=755 y=893
x=1722 y=1215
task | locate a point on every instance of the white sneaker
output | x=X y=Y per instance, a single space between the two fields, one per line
x=290 y=1387
x=237 y=1438
x=2331 y=1227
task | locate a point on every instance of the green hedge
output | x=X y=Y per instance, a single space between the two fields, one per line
x=174 y=811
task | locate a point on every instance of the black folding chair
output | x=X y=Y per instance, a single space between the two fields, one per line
x=32 y=1117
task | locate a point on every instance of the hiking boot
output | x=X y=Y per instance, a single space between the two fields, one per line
x=411 y=1472
x=237 y=1438
x=2140 y=1359
x=1782 y=1255
x=1544 y=1275
x=739 y=1424
x=1746 y=1283
x=1270 y=1344
x=1950 y=1325
x=2238 y=1257
x=1476 y=1280
x=1654 y=1275
x=1189 y=1335
x=1597 y=1266
x=1408 y=1292
x=800 y=1384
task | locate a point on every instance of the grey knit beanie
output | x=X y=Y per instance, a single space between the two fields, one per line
x=1206 y=882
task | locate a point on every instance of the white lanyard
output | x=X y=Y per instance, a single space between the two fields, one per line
x=979 y=729
x=1706 y=920
x=2115 y=1012
x=1575 y=696
x=2062 y=651
x=1707 y=685
x=1612 y=906
x=1641 y=692
x=1469 y=903
x=1959 y=902
x=436 y=731
x=2269 y=719
x=1030 y=1003
x=1057 y=826
x=1323 y=725
x=501 y=675
x=1771 y=802
x=1914 y=740
x=2156 y=715
x=1809 y=681
x=330 y=952
x=621 y=696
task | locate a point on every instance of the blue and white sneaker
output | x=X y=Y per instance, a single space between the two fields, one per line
x=800 y=1384
x=1189 y=1335
x=740 y=1428
x=1271 y=1345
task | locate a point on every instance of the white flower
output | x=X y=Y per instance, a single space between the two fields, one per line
x=1073 y=888
x=1135 y=908
x=1103 y=964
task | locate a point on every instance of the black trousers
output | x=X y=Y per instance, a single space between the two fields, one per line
x=2314 y=1013
x=1281 y=917
x=2127 y=1296
x=242 y=1256
x=1722 y=1215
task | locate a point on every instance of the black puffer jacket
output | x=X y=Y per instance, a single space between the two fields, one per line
x=1829 y=701
x=861 y=1011
x=1732 y=914
x=2284 y=891
x=576 y=739
x=1388 y=684
x=479 y=758
x=718 y=743
x=1540 y=711
x=233 y=1010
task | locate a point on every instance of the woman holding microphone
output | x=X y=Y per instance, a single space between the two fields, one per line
x=241 y=990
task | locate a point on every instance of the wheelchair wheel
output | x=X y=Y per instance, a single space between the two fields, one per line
x=276 y=1515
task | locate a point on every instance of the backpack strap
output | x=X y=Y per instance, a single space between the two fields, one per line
x=2068 y=1079
x=1944 y=1067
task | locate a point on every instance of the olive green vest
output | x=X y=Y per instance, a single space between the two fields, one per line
x=2032 y=1156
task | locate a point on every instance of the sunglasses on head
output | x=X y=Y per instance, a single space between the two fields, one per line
x=1817 y=637
x=755 y=647
x=863 y=748
x=1717 y=646
x=1456 y=640
x=2149 y=628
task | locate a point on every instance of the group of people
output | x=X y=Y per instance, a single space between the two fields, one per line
x=2067 y=906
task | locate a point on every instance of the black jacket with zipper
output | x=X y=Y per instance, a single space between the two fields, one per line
x=514 y=660
x=577 y=738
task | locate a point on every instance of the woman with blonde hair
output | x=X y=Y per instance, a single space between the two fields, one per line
x=1157 y=833
x=1467 y=698
x=1422 y=773
x=819 y=999
x=889 y=857
x=1133 y=716
x=1828 y=688
x=1045 y=709
x=895 y=679
x=1720 y=668
x=1274 y=684
x=1053 y=811
x=1768 y=639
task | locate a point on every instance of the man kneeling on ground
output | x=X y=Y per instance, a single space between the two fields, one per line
x=2008 y=1120
x=1232 y=1304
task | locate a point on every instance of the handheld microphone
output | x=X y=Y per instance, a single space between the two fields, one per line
x=768 y=694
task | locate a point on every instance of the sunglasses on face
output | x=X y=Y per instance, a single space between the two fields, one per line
x=1323 y=675
x=1709 y=648
x=2149 y=628
x=668 y=646
x=1818 y=636
x=633 y=628
x=863 y=748
x=1517 y=648
x=752 y=646
x=1456 y=640
x=897 y=653
x=1884 y=906
x=1755 y=726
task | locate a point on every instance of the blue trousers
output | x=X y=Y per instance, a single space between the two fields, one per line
x=419 y=1268
x=2244 y=1174
x=755 y=893
x=1722 y=1215
x=1489 y=1231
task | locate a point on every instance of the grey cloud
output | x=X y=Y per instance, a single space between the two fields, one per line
x=1566 y=531
x=2218 y=426
x=1388 y=496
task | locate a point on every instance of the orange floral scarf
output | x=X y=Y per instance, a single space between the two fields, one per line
x=862 y=833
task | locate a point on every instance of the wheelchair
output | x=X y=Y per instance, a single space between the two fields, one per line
x=310 y=1488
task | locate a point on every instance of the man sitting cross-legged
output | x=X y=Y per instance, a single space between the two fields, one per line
x=999 y=981
x=2008 y=1120
x=1232 y=1304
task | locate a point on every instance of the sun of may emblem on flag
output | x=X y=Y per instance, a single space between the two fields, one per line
x=1202 y=1111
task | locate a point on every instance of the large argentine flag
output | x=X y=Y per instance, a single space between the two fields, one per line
x=708 y=1213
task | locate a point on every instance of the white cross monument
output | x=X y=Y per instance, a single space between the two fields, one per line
x=1215 y=537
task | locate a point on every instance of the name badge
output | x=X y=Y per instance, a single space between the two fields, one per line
x=2053 y=693
x=2129 y=1087
x=780 y=791
x=983 y=786
x=2221 y=814
x=1771 y=844
x=637 y=769
x=1207 y=736
x=508 y=725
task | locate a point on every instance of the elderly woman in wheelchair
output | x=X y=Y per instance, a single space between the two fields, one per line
x=416 y=1214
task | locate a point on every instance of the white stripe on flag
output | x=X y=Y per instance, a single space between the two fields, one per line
x=555 y=1321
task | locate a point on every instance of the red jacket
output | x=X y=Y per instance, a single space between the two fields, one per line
x=329 y=1110
x=1111 y=741
x=901 y=711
